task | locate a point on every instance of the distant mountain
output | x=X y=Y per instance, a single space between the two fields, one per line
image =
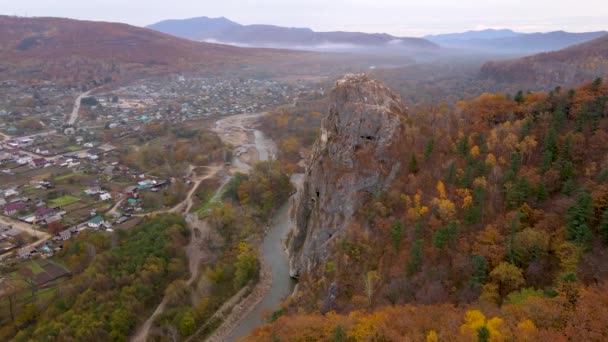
x=56 y=48
x=570 y=66
x=222 y=30
x=508 y=41
x=195 y=28
x=472 y=35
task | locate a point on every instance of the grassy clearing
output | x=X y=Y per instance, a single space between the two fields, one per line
x=63 y=201
x=66 y=176
x=73 y=148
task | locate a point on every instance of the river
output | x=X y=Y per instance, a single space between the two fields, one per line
x=272 y=250
x=274 y=254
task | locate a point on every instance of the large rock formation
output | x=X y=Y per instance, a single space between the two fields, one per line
x=354 y=157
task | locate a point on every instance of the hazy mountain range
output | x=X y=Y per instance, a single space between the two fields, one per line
x=222 y=30
x=513 y=42
x=505 y=41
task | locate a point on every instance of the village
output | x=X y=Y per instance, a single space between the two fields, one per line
x=63 y=174
x=64 y=193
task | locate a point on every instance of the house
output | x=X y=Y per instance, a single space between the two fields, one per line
x=24 y=160
x=122 y=219
x=108 y=170
x=51 y=219
x=10 y=192
x=93 y=190
x=132 y=202
x=131 y=191
x=160 y=185
x=2 y=202
x=63 y=235
x=13 y=208
x=95 y=222
x=38 y=162
x=26 y=252
x=44 y=213
x=5 y=157
x=146 y=184
x=105 y=196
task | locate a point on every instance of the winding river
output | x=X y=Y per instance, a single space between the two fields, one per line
x=272 y=249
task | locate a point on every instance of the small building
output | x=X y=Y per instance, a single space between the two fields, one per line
x=26 y=252
x=38 y=162
x=63 y=235
x=13 y=208
x=10 y=192
x=105 y=196
x=131 y=191
x=24 y=160
x=95 y=222
x=94 y=190
x=132 y=202
x=44 y=212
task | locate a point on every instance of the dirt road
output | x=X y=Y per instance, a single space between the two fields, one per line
x=199 y=229
x=76 y=109
x=27 y=228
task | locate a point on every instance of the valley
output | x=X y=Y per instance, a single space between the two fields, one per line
x=206 y=180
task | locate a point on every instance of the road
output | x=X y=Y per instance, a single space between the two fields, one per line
x=5 y=137
x=76 y=109
x=199 y=230
x=27 y=228
x=114 y=210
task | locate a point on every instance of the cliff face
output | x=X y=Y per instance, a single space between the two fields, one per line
x=353 y=158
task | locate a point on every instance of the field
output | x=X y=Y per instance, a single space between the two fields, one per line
x=63 y=201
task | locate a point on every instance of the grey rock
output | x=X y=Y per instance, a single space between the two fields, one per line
x=354 y=157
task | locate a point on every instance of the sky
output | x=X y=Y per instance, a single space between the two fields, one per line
x=397 y=17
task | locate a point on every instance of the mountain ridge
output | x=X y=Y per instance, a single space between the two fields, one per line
x=259 y=35
x=508 y=40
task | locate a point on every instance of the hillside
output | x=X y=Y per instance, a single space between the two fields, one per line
x=225 y=31
x=507 y=41
x=565 y=67
x=487 y=222
x=65 y=49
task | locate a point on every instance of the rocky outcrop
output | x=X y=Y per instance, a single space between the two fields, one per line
x=354 y=157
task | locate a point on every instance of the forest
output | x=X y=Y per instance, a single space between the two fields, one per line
x=496 y=229
x=117 y=280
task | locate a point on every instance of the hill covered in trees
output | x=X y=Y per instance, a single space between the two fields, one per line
x=569 y=66
x=496 y=228
x=75 y=50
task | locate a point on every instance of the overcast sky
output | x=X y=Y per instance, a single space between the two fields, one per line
x=398 y=17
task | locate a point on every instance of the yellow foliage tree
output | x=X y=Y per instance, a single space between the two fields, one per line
x=416 y=210
x=432 y=336
x=475 y=151
x=475 y=320
x=525 y=330
x=441 y=190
